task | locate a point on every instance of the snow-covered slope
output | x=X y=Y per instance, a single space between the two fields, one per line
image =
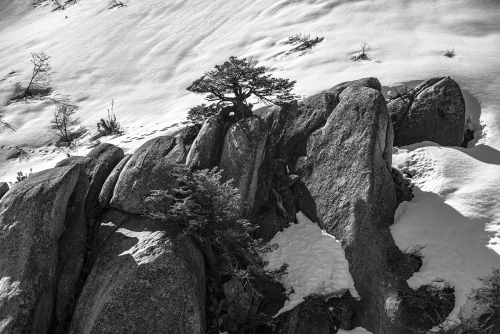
x=145 y=54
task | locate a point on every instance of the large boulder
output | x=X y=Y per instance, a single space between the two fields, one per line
x=242 y=156
x=145 y=280
x=103 y=159
x=149 y=168
x=207 y=147
x=347 y=171
x=32 y=221
x=98 y=164
x=434 y=111
x=4 y=187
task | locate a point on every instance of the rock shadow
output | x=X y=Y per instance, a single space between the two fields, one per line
x=458 y=249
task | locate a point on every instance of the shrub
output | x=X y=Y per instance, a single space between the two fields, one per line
x=362 y=54
x=209 y=211
x=450 y=53
x=116 y=4
x=63 y=120
x=110 y=126
x=236 y=80
x=305 y=42
x=489 y=292
x=21 y=176
x=200 y=113
x=429 y=305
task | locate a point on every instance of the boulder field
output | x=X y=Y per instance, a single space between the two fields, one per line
x=82 y=252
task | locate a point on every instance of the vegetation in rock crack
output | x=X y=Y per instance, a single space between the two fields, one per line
x=209 y=211
x=63 y=122
x=109 y=126
x=450 y=53
x=237 y=80
x=362 y=55
x=40 y=76
x=404 y=92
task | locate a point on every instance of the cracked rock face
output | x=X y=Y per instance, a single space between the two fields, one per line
x=434 y=111
x=32 y=222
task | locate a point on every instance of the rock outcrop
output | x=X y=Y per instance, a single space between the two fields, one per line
x=207 y=147
x=32 y=222
x=433 y=111
x=149 y=168
x=242 y=156
x=98 y=164
x=346 y=169
x=146 y=279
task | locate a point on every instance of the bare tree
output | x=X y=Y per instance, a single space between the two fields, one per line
x=40 y=77
x=63 y=121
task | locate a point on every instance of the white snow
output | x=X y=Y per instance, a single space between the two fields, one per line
x=316 y=262
x=455 y=213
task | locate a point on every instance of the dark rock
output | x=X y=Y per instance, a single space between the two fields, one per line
x=242 y=302
x=145 y=280
x=109 y=185
x=4 y=187
x=468 y=137
x=269 y=223
x=346 y=171
x=32 y=222
x=435 y=112
x=403 y=186
x=149 y=168
x=242 y=155
x=290 y=127
x=207 y=147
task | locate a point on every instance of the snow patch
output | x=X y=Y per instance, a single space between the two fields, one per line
x=316 y=262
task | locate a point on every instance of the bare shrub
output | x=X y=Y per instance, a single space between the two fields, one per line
x=362 y=54
x=450 y=53
x=116 y=4
x=63 y=121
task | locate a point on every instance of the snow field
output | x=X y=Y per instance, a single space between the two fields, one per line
x=454 y=214
x=316 y=262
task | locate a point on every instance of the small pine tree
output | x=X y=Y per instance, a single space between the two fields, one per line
x=237 y=80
